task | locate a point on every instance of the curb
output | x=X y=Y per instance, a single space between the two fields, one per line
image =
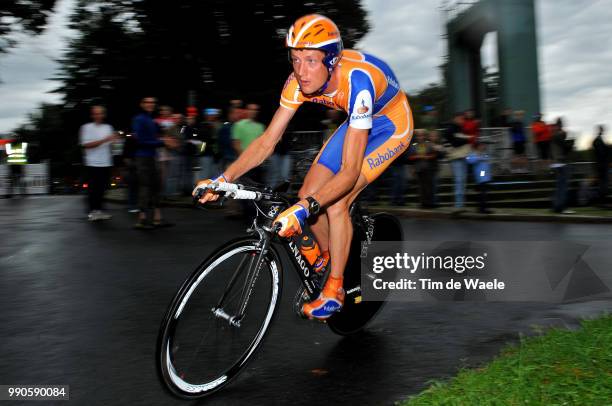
x=439 y=214
x=551 y=218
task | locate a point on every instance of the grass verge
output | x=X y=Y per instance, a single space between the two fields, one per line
x=560 y=367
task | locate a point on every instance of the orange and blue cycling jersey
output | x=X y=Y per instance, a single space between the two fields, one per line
x=369 y=93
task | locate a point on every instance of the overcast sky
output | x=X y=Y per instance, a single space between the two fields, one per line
x=575 y=57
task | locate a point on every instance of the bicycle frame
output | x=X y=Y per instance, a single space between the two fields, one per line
x=267 y=234
x=303 y=268
x=310 y=280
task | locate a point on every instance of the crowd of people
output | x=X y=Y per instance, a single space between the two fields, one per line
x=162 y=149
x=464 y=146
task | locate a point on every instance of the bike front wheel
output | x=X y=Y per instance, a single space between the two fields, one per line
x=218 y=318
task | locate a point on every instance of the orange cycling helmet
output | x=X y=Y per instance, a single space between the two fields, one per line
x=314 y=31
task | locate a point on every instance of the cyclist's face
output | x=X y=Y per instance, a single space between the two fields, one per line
x=309 y=70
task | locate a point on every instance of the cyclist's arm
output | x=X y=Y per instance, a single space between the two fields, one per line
x=353 y=152
x=361 y=102
x=262 y=147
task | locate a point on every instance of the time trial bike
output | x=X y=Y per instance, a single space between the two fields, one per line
x=221 y=313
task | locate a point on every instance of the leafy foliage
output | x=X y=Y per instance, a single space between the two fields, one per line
x=209 y=51
x=27 y=15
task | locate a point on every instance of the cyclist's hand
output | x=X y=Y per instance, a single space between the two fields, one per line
x=209 y=196
x=292 y=220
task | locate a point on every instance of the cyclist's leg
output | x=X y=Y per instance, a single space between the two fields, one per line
x=341 y=229
x=325 y=166
x=389 y=138
x=316 y=177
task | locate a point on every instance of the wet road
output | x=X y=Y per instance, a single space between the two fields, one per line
x=80 y=304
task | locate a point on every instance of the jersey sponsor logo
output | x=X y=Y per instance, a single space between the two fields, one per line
x=393 y=82
x=382 y=158
x=363 y=109
x=325 y=102
x=363 y=106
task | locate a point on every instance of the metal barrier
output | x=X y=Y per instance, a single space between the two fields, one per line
x=498 y=141
x=33 y=180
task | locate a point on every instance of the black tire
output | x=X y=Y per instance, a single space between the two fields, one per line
x=182 y=311
x=356 y=314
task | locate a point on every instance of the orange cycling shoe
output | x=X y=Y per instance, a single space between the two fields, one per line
x=329 y=301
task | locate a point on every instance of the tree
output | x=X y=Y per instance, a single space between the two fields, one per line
x=217 y=50
x=98 y=67
x=433 y=95
x=29 y=16
x=46 y=136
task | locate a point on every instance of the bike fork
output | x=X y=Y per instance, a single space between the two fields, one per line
x=254 y=267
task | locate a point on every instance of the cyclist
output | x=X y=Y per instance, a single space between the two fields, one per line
x=377 y=130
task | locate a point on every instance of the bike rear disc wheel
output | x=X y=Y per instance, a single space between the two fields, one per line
x=200 y=347
x=356 y=313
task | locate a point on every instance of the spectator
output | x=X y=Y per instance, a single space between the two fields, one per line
x=430 y=119
x=279 y=168
x=504 y=119
x=147 y=133
x=502 y=134
x=560 y=148
x=602 y=164
x=131 y=178
x=541 y=137
x=16 y=159
x=482 y=175
x=190 y=150
x=176 y=163
x=166 y=123
x=422 y=154
x=210 y=151
x=471 y=126
x=244 y=132
x=460 y=148
x=227 y=154
x=517 y=133
x=96 y=138
x=439 y=153
x=240 y=111
x=330 y=123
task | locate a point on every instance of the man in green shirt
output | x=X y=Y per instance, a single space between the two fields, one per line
x=246 y=130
